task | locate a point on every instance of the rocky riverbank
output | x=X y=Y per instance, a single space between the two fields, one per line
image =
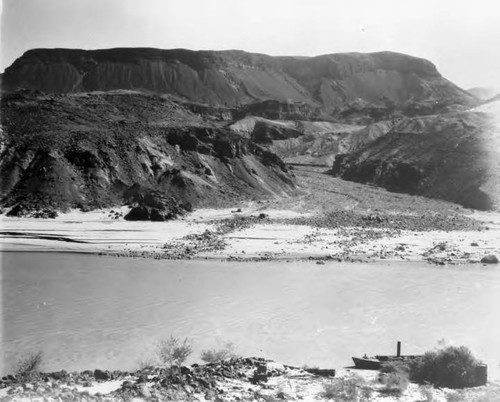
x=330 y=220
x=237 y=379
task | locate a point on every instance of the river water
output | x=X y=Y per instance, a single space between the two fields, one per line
x=88 y=311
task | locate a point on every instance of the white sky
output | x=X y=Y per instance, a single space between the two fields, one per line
x=461 y=37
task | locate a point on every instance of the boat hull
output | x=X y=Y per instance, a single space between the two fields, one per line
x=366 y=364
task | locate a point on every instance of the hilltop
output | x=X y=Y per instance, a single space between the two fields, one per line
x=328 y=85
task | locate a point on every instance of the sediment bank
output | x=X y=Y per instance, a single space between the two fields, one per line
x=261 y=233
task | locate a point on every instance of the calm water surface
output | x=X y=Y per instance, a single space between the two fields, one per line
x=86 y=311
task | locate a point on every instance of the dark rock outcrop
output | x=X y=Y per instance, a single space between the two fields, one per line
x=102 y=375
x=150 y=205
x=450 y=156
x=88 y=151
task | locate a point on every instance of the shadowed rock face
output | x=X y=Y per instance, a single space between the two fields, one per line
x=90 y=150
x=450 y=156
x=324 y=85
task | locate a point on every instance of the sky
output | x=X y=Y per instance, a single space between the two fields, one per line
x=460 y=37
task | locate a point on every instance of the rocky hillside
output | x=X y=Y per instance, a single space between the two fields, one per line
x=453 y=156
x=237 y=379
x=348 y=86
x=167 y=129
x=102 y=149
x=309 y=142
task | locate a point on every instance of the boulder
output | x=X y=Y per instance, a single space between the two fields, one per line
x=139 y=213
x=152 y=205
x=58 y=375
x=156 y=215
x=101 y=375
x=489 y=259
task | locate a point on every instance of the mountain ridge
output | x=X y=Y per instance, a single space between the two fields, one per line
x=330 y=83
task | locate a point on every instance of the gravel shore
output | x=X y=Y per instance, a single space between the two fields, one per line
x=230 y=380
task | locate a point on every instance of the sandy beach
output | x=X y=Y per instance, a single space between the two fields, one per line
x=275 y=235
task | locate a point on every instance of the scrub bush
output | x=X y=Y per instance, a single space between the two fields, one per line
x=217 y=355
x=29 y=366
x=452 y=367
x=173 y=351
x=348 y=389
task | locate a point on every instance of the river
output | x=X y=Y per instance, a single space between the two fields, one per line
x=87 y=311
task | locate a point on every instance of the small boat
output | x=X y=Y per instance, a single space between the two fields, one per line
x=374 y=363
x=404 y=358
x=366 y=363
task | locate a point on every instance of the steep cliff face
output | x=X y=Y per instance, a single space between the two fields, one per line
x=454 y=157
x=215 y=78
x=89 y=150
x=376 y=79
x=318 y=86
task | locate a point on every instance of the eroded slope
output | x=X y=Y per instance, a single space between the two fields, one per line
x=309 y=142
x=350 y=85
x=87 y=150
x=451 y=156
